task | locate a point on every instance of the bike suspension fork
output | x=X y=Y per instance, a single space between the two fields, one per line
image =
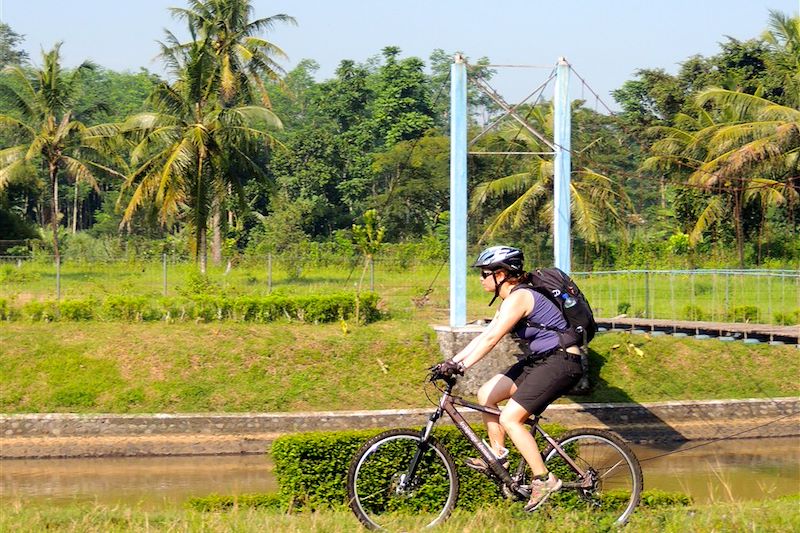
x=422 y=447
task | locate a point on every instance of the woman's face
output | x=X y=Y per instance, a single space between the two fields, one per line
x=488 y=281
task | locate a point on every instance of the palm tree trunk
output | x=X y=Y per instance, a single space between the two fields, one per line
x=53 y=170
x=202 y=250
x=216 y=235
x=75 y=210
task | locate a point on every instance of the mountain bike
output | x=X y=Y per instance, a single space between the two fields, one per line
x=405 y=478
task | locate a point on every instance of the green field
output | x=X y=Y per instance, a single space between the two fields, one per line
x=767 y=516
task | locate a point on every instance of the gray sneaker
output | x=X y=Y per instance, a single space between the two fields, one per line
x=541 y=490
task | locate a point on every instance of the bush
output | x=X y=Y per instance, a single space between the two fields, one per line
x=789 y=318
x=207 y=308
x=692 y=312
x=128 y=308
x=77 y=309
x=311 y=468
x=40 y=311
x=743 y=313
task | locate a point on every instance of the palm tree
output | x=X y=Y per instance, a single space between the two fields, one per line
x=744 y=148
x=595 y=199
x=241 y=61
x=783 y=36
x=181 y=148
x=49 y=136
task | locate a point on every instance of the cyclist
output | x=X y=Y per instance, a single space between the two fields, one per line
x=536 y=380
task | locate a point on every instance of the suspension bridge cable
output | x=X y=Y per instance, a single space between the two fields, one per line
x=727 y=437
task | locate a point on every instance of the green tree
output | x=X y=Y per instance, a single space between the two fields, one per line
x=10 y=54
x=596 y=200
x=51 y=138
x=748 y=153
x=242 y=61
x=181 y=148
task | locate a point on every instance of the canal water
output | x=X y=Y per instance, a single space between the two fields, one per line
x=745 y=469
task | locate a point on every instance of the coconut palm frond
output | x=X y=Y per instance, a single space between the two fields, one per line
x=80 y=172
x=713 y=212
x=512 y=184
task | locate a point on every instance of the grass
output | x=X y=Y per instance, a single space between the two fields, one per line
x=229 y=367
x=778 y=515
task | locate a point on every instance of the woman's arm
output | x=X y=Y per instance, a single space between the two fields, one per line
x=516 y=306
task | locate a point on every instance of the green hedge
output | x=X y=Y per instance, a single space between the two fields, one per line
x=204 y=308
x=311 y=468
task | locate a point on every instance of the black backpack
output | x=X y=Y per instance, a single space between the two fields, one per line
x=559 y=288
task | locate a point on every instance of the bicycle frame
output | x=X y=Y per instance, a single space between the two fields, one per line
x=448 y=404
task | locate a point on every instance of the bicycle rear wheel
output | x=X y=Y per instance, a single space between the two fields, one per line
x=379 y=493
x=613 y=482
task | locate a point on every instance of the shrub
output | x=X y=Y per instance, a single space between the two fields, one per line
x=623 y=308
x=208 y=308
x=692 y=312
x=38 y=311
x=76 y=309
x=744 y=313
x=129 y=308
x=789 y=318
x=311 y=468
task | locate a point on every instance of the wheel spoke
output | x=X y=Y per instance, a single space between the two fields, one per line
x=375 y=476
x=614 y=481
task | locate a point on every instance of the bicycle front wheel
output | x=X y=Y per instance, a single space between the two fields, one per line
x=612 y=476
x=383 y=497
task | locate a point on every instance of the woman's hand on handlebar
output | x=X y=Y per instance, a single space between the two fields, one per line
x=447 y=369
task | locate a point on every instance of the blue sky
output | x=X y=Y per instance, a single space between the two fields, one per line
x=604 y=40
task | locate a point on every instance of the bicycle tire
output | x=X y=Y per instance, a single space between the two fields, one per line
x=381 y=463
x=617 y=481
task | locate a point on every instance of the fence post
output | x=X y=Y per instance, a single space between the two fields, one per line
x=647 y=294
x=269 y=273
x=58 y=279
x=164 y=269
x=769 y=300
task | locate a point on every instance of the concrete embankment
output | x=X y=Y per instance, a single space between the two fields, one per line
x=72 y=435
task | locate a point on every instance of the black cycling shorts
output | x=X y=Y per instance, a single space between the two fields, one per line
x=541 y=382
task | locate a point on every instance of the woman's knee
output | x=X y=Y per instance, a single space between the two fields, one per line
x=513 y=415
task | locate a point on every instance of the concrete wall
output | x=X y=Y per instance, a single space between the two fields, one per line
x=69 y=435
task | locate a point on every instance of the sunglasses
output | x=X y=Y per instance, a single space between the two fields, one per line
x=486 y=273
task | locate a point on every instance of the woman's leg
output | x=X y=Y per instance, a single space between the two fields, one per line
x=494 y=391
x=511 y=421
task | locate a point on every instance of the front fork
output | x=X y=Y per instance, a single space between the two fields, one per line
x=422 y=447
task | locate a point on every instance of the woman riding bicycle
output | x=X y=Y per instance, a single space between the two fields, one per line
x=536 y=380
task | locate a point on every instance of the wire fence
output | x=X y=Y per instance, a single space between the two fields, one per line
x=757 y=296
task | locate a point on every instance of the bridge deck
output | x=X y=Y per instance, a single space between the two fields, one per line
x=764 y=332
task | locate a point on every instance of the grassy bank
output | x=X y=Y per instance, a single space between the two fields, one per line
x=763 y=516
x=228 y=367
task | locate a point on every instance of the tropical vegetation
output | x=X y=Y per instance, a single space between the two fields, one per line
x=232 y=150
